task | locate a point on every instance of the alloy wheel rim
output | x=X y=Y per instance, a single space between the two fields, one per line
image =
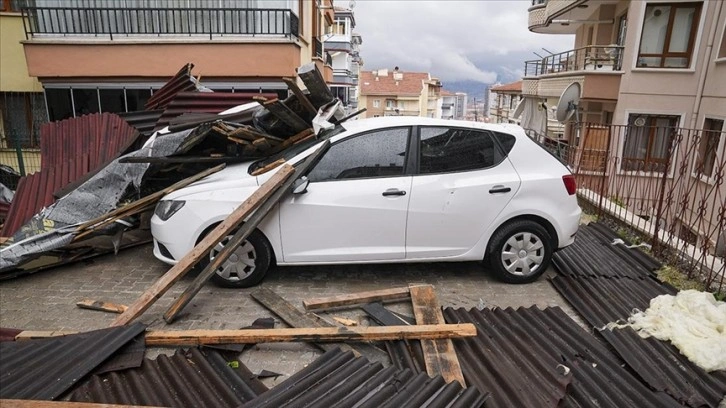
x=239 y=265
x=523 y=254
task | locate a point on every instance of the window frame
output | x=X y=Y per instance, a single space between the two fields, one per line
x=407 y=161
x=719 y=149
x=651 y=115
x=694 y=37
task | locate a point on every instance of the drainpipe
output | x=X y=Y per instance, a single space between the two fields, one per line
x=708 y=58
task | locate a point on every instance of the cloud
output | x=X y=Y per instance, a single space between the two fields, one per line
x=484 y=41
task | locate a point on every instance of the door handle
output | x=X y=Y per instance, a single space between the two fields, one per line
x=499 y=189
x=394 y=192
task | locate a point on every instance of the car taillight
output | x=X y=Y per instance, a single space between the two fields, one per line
x=570 y=184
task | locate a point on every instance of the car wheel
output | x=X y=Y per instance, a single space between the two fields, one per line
x=247 y=265
x=520 y=252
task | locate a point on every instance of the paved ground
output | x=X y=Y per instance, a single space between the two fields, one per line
x=46 y=300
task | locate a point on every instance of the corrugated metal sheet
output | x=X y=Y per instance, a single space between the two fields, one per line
x=35 y=191
x=45 y=368
x=664 y=368
x=520 y=357
x=604 y=300
x=339 y=379
x=143 y=121
x=204 y=102
x=592 y=254
x=190 y=378
x=181 y=82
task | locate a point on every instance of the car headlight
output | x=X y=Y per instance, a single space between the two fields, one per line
x=165 y=209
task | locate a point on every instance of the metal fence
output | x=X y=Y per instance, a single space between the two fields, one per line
x=590 y=58
x=127 y=22
x=665 y=183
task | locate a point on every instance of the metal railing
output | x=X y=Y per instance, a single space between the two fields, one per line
x=128 y=22
x=674 y=196
x=590 y=58
x=538 y=2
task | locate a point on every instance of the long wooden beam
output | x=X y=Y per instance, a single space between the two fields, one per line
x=202 y=248
x=355 y=299
x=315 y=335
x=265 y=206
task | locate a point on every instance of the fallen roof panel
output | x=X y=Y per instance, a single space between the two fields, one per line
x=45 y=368
x=340 y=379
x=525 y=358
x=182 y=81
x=143 y=121
x=664 y=368
x=204 y=102
x=603 y=300
x=186 y=379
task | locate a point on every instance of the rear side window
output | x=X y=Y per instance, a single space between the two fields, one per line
x=443 y=150
x=506 y=141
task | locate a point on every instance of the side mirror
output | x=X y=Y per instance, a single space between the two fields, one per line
x=300 y=186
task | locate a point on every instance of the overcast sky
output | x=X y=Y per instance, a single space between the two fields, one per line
x=480 y=40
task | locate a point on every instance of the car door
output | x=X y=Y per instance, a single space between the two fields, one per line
x=355 y=205
x=463 y=182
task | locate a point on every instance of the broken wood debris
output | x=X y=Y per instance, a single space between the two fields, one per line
x=315 y=334
x=101 y=306
x=202 y=248
x=42 y=334
x=357 y=299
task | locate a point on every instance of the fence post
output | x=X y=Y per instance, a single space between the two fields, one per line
x=676 y=138
x=604 y=173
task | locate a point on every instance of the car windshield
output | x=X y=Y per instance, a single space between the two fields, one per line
x=297 y=148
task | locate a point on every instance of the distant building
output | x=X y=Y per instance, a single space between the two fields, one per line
x=504 y=100
x=343 y=46
x=460 y=106
x=448 y=104
x=396 y=93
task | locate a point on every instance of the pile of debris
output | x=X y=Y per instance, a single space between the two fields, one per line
x=103 y=174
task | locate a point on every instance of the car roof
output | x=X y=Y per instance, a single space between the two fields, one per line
x=391 y=121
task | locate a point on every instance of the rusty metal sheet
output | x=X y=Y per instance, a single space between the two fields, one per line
x=143 y=121
x=45 y=368
x=204 y=102
x=182 y=81
x=532 y=357
x=603 y=300
x=664 y=368
x=340 y=379
x=189 y=378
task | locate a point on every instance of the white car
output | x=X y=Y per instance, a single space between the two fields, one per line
x=392 y=189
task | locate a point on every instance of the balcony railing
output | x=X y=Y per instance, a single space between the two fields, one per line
x=590 y=58
x=538 y=2
x=318 y=47
x=136 y=22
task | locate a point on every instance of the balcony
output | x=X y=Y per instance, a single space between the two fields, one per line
x=543 y=12
x=138 y=23
x=598 y=69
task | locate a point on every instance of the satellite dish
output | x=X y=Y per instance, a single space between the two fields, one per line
x=519 y=109
x=569 y=102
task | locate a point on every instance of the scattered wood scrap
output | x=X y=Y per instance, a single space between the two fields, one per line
x=42 y=334
x=357 y=299
x=315 y=334
x=345 y=322
x=268 y=167
x=202 y=248
x=439 y=354
x=304 y=101
x=101 y=306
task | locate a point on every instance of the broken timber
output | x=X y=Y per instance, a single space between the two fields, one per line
x=101 y=306
x=315 y=83
x=268 y=167
x=301 y=97
x=202 y=248
x=286 y=115
x=356 y=299
x=439 y=355
x=316 y=335
x=247 y=228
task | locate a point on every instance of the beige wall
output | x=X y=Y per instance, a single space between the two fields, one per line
x=13 y=70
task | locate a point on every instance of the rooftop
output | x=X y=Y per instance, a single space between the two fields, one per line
x=392 y=82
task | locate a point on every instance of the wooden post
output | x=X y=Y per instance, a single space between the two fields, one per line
x=356 y=299
x=242 y=234
x=215 y=236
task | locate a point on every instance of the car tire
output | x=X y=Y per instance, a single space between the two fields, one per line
x=520 y=252
x=246 y=267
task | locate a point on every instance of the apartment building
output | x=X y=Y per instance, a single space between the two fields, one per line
x=505 y=99
x=111 y=55
x=648 y=130
x=394 y=92
x=343 y=46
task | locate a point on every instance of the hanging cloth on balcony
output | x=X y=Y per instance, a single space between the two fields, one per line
x=534 y=116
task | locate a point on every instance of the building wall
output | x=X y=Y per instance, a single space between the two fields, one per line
x=13 y=70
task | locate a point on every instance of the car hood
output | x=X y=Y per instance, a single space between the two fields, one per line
x=231 y=177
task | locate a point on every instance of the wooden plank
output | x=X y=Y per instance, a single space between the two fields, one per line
x=304 y=135
x=251 y=134
x=313 y=334
x=345 y=321
x=149 y=199
x=301 y=97
x=184 y=265
x=101 y=306
x=264 y=169
x=439 y=355
x=42 y=334
x=14 y=403
x=293 y=317
x=312 y=78
x=356 y=299
x=287 y=116
x=262 y=144
x=242 y=233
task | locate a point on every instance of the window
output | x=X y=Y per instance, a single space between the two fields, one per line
x=376 y=103
x=378 y=154
x=11 y=5
x=722 y=49
x=446 y=150
x=669 y=32
x=708 y=146
x=22 y=113
x=390 y=103
x=647 y=142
